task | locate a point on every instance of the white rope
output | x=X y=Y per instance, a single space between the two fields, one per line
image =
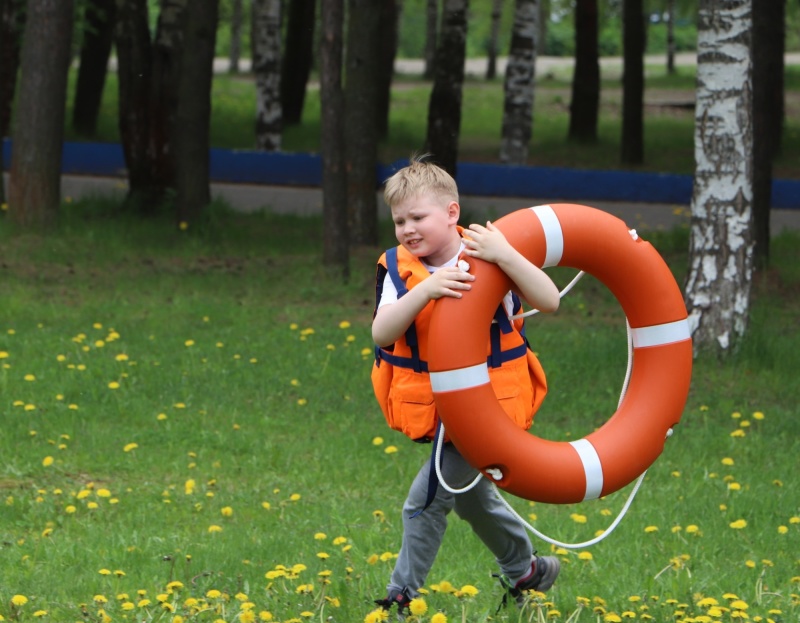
x=528 y=526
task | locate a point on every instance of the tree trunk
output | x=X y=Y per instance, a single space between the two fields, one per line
x=585 y=105
x=543 y=21
x=431 y=37
x=670 y=37
x=98 y=36
x=12 y=17
x=494 y=33
x=519 y=85
x=167 y=49
x=721 y=237
x=444 y=108
x=335 y=250
x=266 y=41
x=633 y=82
x=297 y=59
x=193 y=116
x=362 y=69
x=235 y=53
x=769 y=24
x=134 y=68
x=34 y=192
x=389 y=24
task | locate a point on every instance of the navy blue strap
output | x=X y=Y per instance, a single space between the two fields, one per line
x=433 y=479
x=411 y=333
x=394 y=272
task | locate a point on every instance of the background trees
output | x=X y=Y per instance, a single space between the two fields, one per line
x=35 y=179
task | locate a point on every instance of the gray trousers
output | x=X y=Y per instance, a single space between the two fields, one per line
x=499 y=530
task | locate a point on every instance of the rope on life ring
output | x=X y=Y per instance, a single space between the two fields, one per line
x=630 y=441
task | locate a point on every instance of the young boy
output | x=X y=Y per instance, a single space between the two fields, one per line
x=423 y=199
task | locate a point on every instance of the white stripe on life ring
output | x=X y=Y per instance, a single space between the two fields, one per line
x=553 y=235
x=463 y=378
x=592 y=468
x=661 y=334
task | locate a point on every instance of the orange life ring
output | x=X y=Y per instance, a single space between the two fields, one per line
x=630 y=441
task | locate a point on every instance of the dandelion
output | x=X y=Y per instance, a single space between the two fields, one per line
x=439 y=617
x=113 y=385
x=417 y=606
x=320 y=536
x=214 y=528
x=377 y=441
x=650 y=529
x=468 y=591
x=129 y=447
x=47 y=461
x=294 y=497
x=734 y=486
x=738 y=524
x=578 y=518
x=390 y=449
x=226 y=511
x=758 y=415
x=585 y=556
x=19 y=600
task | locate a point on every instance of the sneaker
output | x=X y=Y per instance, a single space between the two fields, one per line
x=400 y=598
x=544 y=571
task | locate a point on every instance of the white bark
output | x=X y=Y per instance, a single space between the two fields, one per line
x=266 y=43
x=519 y=84
x=721 y=245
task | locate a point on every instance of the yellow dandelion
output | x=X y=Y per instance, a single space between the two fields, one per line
x=727 y=461
x=417 y=606
x=758 y=415
x=738 y=524
x=19 y=600
x=320 y=536
x=214 y=528
x=650 y=529
x=439 y=617
x=585 y=556
x=294 y=497
x=578 y=518
x=377 y=441
x=113 y=385
x=226 y=511
x=129 y=447
x=47 y=461
x=390 y=449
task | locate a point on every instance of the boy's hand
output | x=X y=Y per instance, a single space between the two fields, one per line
x=449 y=281
x=488 y=243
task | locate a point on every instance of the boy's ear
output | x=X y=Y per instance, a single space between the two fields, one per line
x=453 y=210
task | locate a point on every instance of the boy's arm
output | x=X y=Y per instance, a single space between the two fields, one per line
x=391 y=321
x=489 y=243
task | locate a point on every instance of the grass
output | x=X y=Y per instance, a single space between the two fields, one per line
x=669 y=125
x=189 y=433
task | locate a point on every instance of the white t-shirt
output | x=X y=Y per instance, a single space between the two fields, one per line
x=389 y=292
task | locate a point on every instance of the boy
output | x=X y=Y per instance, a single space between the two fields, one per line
x=423 y=199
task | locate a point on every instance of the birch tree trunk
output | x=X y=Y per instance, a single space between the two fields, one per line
x=721 y=238
x=266 y=41
x=519 y=85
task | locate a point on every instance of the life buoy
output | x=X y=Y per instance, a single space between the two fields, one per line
x=630 y=441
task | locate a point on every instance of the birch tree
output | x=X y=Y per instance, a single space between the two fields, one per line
x=266 y=42
x=721 y=238
x=519 y=85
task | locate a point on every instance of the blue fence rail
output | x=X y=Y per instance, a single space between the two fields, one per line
x=488 y=180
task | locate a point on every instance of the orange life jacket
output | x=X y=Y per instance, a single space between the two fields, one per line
x=400 y=373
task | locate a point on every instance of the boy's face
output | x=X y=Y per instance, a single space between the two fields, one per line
x=426 y=226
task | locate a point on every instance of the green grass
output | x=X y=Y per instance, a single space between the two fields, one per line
x=669 y=129
x=242 y=366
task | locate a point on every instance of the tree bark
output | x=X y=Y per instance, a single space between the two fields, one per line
x=335 y=249
x=12 y=18
x=193 y=115
x=633 y=83
x=389 y=24
x=98 y=37
x=721 y=237
x=235 y=53
x=519 y=86
x=431 y=37
x=297 y=59
x=494 y=33
x=167 y=50
x=134 y=68
x=266 y=41
x=768 y=45
x=444 y=108
x=670 y=37
x=584 y=108
x=34 y=192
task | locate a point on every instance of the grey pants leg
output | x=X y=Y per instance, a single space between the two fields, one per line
x=499 y=530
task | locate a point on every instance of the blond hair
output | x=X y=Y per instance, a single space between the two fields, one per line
x=419 y=178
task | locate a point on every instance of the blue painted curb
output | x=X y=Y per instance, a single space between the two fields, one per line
x=474 y=179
